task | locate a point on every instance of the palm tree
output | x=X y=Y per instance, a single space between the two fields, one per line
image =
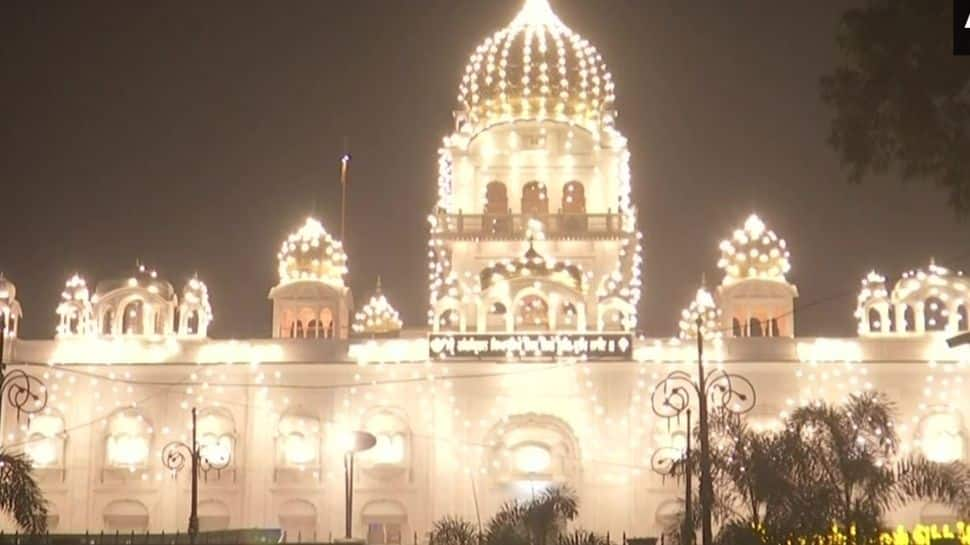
x=20 y=495
x=830 y=464
x=534 y=522
x=454 y=531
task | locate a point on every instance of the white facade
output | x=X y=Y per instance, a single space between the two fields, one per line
x=533 y=233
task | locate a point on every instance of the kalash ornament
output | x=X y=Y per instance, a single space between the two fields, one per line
x=377 y=319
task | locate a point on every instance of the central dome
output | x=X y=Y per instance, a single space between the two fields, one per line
x=537 y=68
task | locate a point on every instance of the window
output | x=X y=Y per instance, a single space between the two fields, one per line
x=935 y=315
x=574 y=198
x=532 y=313
x=909 y=319
x=45 y=440
x=736 y=328
x=449 y=320
x=754 y=328
x=534 y=199
x=126 y=516
x=383 y=533
x=496 y=198
x=774 y=327
x=129 y=440
x=385 y=521
x=962 y=318
x=298 y=520
x=107 y=322
x=942 y=437
x=875 y=324
x=217 y=436
x=132 y=318
x=298 y=440
x=392 y=433
x=193 y=322
x=568 y=318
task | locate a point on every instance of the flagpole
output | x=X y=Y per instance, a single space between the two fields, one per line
x=344 y=167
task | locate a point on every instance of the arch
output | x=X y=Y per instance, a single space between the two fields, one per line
x=129 y=439
x=962 y=317
x=535 y=199
x=159 y=328
x=393 y=449
x=385 y=520
x=736 y=328
x=943 y=437
x=298 y=332
x=496 y=198
x=192 y=322
x=533 y=447
x=531 y=313
x=133 y=318
x=124 y=516
x=892 y=318
x=214 y=515
x=314 y=330
x=298 y=439
x=574 y=198
x=568 y=317
x=773 y=326
x=46 y=439
x=754 y=328
x=669 y=514
x=874 y=321
x=909 y=319
x=934 y=314
x=449 y=320
x=298 y=521
x=217 y=435
x=107 y=322
x=326 y=322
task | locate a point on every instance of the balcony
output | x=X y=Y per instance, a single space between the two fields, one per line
x=516 y=226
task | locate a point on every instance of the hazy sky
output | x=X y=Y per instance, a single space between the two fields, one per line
x=193 y=135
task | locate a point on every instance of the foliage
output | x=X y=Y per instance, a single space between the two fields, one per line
x=583 y=537
x=901 y=98
x=829 y=465
x=20 y=495
x=454 y=531
x=536 y=522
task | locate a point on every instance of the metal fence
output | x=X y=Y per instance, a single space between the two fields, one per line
x=226 y=537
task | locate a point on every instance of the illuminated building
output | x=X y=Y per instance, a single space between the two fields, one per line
x=527 y=372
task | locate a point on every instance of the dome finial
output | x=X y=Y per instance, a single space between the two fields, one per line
x=536 y=12
x=378 y=285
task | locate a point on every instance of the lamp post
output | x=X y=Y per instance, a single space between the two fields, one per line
x=357 y=441
x=673 y=397
x=174 y=456
x=25 y=393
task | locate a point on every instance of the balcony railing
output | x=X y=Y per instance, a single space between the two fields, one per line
x=516 y=226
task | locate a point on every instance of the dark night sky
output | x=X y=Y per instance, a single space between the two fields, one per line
x=192 y=135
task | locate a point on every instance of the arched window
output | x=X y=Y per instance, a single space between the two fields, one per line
x=574 y=198
x=909 y=319
x=875 y=324
x=193 y=322
x=107 y=322
x=213 y=516
x=962 y=318
x=532 y=313
x=775 y=332
x=126 y=516
x=568 y=318
x=385 y=520
x=132 y=318
x=128 y=444
x=326 y=323
x=935 y=315
x=736 y=328
x=299 y=332
x=298 y=440
x=45 y=440
x=535 y=201
x=393 y=436
x=159 y=323
x=754 y=328
x=892 y=317
x=496 y=199
x=942 y=437
x=314 y=330
x=217 y=436
x=298 y=521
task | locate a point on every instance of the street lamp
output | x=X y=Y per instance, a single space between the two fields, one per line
x=354 y=442
x=673 y=396
x=174 y=456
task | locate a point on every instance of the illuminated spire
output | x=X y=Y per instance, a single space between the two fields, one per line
x=535 y=13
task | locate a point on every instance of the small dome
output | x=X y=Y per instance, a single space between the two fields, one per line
x=704 y=307
x=754 y=252
x=195 y=312
x=378 y=317
x=144 y=278
x=537 y=68
x=10 y=310
x=312 y=254
x=75 y=311
x=532 y=266
x=934 y=281
x=195 y=294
